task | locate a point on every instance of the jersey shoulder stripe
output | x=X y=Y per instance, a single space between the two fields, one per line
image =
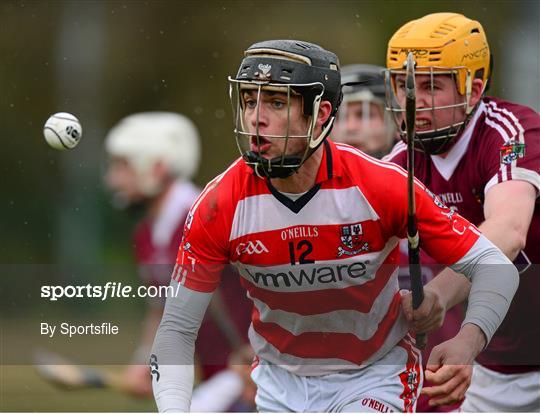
x=509 y=119
x=212 y=184
x=399 y=148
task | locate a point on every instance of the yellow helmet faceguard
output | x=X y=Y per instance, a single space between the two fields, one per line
x=442 y=44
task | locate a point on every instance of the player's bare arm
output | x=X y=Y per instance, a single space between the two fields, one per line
x=508 y=210
x=508 y=207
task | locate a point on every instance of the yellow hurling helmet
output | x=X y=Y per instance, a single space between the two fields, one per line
x=446 y=41
x=442 y=44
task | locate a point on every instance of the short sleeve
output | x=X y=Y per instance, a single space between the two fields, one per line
x=203 y=252
x=512 y=150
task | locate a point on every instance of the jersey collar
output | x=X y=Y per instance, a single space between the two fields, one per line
x=331 y=165
x=329 y=168
x=447 y=165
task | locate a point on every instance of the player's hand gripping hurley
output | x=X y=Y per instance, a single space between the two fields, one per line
x=412 y=229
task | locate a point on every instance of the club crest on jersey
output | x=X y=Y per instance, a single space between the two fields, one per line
x=351 y=240
x=511 y=151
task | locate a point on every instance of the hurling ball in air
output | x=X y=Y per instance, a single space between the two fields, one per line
x=62 y=131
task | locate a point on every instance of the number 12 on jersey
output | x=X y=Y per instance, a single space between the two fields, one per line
x=302 y=249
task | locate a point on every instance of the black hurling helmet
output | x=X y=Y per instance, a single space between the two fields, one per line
x=294 y=68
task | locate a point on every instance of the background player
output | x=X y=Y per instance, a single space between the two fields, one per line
x=301 y=268
x=362 y=120
x=152 y=159
x=481 y=156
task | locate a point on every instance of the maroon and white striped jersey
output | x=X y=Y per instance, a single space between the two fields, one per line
x=321 y=270
x=500 y=143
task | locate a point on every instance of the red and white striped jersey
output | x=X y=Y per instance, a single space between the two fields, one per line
x=321 y=270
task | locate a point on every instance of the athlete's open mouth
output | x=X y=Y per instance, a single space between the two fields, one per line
x=259 y=144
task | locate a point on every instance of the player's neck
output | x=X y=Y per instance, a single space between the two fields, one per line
x=304 y=179
x=158 y=202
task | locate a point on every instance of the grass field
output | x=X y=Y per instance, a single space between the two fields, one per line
x=21 y=389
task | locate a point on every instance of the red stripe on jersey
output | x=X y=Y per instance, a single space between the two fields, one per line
x=249 y=249
x=358 y=298
x=343 y=346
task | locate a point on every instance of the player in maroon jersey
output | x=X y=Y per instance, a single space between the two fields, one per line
x=313 y=228
x=153 y=156
x=362 y=120
x=481 y=156
x=364 y=123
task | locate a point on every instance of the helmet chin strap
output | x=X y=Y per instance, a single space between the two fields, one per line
x=272 y=168
x=266 y=168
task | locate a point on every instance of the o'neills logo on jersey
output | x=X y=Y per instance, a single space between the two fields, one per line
x=451 y=198
x=299 y=232
x=376 y=405
x=299 y=277
x=351 y=240
x=251 y=247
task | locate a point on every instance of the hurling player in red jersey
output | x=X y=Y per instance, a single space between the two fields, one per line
x=152 y=158
x=313 y=228
x=362 y=120
x=481 y=156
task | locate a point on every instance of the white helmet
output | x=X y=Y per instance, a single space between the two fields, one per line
x=149 y=137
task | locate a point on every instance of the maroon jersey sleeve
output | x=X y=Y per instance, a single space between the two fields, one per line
x=511 y=149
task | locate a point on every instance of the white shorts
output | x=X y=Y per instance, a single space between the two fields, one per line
x=391 y=384
x=492 y=391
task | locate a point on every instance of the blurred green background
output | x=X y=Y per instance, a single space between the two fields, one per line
x=102 y=60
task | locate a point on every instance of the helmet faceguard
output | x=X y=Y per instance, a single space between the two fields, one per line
x=364 y=84
x=443 y=44
x=294 y=69
x=439 y=138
